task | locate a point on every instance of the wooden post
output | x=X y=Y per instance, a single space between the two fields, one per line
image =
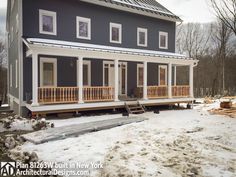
x=145 y=97
x=169 y=80
x=35 y=79
x=191 y=80
x=80 y=77
x=116 y=89
x=175 y=75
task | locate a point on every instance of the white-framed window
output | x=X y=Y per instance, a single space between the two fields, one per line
x=83 y=28
x=115 y=33
x=16 y=70
x=10 y=72
x=17 y=23
x=87 y=73
x=47 y=22
x=140 y=72
x=142 y=34
x=163 y=40
x=162 y=75
x=48 y=72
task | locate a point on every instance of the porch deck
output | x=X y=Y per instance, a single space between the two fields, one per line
x=73 y=107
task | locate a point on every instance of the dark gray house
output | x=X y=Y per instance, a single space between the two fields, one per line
x=72 y=55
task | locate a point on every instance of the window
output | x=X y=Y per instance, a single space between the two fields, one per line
x=83 y=28
x=47 y=22
x=115 y=33
x=140 y=75
x=163 y=40
x=142 y=37
x=16 y=70
x=162 y=75
x=86 y=73
x=48 y=72
x=17 y=22
x=11 y=75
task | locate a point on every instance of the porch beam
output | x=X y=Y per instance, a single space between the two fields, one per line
x=80 y=78
x=35 y=79
x=191 y=80
x=145 y=80
x=116 y=89
x=169 y=80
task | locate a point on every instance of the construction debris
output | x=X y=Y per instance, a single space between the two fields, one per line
x=208 y=100
x=226 y=104
x=226 y=112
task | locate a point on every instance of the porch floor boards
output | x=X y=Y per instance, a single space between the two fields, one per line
x=59 y=133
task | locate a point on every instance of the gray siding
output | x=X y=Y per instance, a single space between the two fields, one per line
x=13 y=51
x=100 y=19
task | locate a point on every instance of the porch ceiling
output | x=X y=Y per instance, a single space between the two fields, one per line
x=76 y=49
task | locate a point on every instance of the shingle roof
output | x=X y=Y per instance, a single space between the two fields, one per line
x=149 y=6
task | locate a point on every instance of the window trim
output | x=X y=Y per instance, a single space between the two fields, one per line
x=86 y=20
x=16 y=72
x=159 y=76
x=139 y=66
x=145 y=30
x=119 y=26
x=87 y=62
x=48 y=13
x=161 y=33
x=48 y=60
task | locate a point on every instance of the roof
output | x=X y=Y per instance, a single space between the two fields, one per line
x=151 y=7
x=93 y=47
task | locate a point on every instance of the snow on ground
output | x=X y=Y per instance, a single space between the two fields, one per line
x=18 y=124
x=172 y=143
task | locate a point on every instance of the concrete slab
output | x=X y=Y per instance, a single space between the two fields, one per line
x=52 y=134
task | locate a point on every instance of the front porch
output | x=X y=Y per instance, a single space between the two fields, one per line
x=125 y=74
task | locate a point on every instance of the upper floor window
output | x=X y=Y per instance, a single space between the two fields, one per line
x=47 y=22
x=115 y=33
x=142 y=37
x=163 y=40
x=83 y=28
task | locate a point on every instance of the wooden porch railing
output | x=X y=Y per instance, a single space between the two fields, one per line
x=181 y=91
x=50 y=95
x=96 y=94
x=56 y=95
x=157 y=92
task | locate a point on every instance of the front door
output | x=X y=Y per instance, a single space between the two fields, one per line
x=109 y=76
x=162 y=75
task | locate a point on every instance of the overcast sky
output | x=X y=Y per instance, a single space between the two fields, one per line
x=188 y=10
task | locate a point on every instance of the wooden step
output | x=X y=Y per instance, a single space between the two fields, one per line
x=134 y=108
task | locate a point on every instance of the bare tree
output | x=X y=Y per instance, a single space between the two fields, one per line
x=3 y=73
x=226 y=12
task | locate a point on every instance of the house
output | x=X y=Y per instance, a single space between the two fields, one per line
x=73 y=55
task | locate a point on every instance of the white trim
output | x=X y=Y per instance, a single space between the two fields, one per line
x=145 y=31
x=119 y=26
x=88 y=62
x=47 y=13
x=145 y=97
x=86 y=20
x=159 y=77
x=170 y=80
x=161 y=33
x=139 y=66
x=10 y=75
x=14 y=99
x=54 y=62
x=16 y=72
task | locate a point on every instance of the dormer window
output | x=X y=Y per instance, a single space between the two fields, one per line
x=163 y=40
x=142 y=37
x=115 y=33
x=83 y=28
x=47 y=22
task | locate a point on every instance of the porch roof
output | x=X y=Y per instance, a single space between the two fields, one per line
x=102 y=48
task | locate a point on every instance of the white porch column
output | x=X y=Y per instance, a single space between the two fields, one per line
x=175 y=75
x=116 y=89
x=145 y=97
x=169 y=80
x=191 y=80
x=35 y=79
x=80 y=78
